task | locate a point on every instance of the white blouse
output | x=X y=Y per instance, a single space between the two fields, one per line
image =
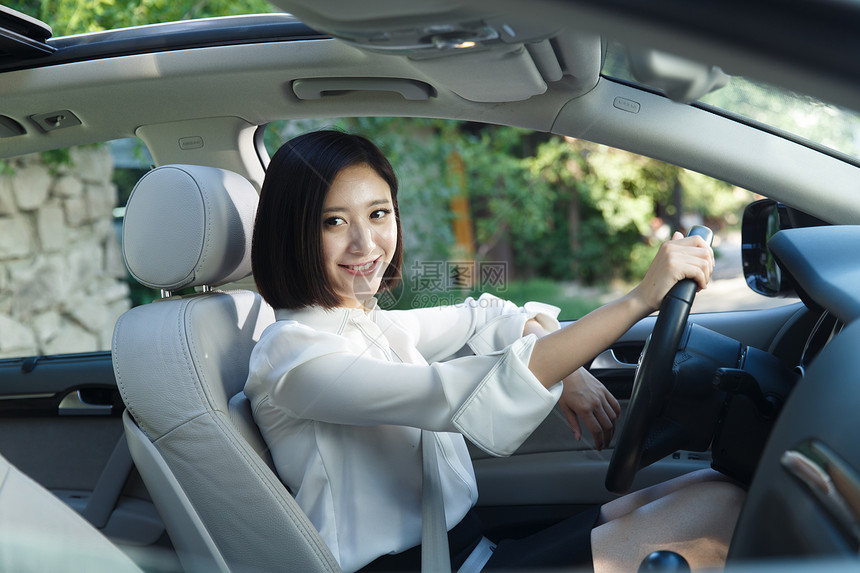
x=341 y=396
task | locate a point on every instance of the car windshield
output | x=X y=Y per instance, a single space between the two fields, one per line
x=801 y=116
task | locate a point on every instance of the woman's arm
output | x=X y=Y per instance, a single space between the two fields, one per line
x=484 y=325
x=584 y=398
x=493 y=400
x=559 y=354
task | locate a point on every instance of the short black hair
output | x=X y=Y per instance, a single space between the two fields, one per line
x=286 y=251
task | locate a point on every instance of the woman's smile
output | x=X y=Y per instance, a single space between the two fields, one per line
x=363 y=269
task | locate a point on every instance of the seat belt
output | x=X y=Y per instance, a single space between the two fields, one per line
x=435 y=555
x=108 y=488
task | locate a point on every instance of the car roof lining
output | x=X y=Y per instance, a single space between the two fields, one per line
x=809 y=47
x=253 y=83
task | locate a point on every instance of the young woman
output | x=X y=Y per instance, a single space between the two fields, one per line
x=341 y=389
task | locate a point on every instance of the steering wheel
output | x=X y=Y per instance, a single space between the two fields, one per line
x=642 y=440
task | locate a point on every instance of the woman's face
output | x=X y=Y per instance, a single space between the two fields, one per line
x=359 y=233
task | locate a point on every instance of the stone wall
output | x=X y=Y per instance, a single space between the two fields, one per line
x=62 y=279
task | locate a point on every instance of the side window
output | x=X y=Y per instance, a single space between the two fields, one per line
x=63 y=283
x=536 y=216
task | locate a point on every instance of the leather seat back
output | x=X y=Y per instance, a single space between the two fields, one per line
x=181 y=360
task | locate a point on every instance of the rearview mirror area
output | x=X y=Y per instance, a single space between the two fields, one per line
x=762 y=220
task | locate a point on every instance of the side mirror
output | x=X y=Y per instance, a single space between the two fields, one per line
x=762 y=220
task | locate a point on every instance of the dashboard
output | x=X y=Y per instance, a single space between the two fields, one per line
x=822 y=265
x=805 y=496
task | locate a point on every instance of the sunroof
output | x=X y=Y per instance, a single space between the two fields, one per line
x=22 y=36
x=69 y=17
x=184 y=34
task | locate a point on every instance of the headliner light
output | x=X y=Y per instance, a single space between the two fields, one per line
x=430 y=41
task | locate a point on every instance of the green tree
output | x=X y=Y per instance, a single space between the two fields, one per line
x=68 y=17
x=611 y=208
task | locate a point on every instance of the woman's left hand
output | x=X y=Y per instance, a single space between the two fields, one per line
x=585 y=398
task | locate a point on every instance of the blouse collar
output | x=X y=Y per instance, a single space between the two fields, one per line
x=327 y=319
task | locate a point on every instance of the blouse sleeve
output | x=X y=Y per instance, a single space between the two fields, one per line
x=494 y=400
x=483 y=325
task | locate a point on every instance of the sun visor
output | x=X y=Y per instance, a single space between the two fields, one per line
x=481 y=54
x=487 y=76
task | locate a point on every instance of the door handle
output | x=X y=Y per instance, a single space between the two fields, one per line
x=74 y=404
x=607 y=360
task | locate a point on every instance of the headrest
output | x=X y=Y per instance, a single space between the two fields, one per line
x=189 y=225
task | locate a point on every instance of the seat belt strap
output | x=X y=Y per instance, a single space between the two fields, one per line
x=479 y=557
x=108 y=488
x=435 y=556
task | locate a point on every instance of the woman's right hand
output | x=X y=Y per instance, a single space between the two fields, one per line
x=677 y=259
x=557 y=355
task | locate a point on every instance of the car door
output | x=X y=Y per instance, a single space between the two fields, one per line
x=62 y=286
x=60 y=424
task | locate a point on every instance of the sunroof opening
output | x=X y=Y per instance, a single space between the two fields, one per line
x=22 y=36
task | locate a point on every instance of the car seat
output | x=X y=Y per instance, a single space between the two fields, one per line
x=38 y=532
x=181 y=364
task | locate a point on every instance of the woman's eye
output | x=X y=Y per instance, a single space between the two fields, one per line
x=334 y=221
x=380 y=213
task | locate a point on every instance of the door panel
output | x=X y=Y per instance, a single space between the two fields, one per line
x=60 y=424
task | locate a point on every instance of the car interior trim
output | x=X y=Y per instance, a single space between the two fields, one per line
x=316 y=88
x=833 y=483
x=647 y=132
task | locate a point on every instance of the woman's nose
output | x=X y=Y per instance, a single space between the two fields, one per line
x=361 y=238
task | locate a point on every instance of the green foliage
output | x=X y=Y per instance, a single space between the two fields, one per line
x=56 y=158
x=613 y=207
x=67 y=17
x=718 y=203
x=573 y=304
x=625 y=188
x=509 y=206
x=53 y=159
x=552 y=207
